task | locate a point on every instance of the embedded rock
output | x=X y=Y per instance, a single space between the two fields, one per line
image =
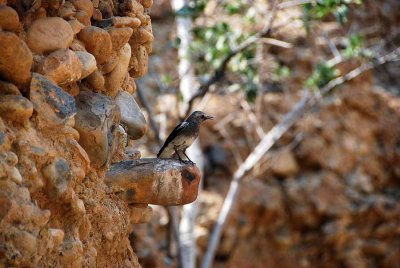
x=139 y=62
x=15 y=59
x=58 y=175
x=96 y=81
x=85 y=5
x=114 y=80
x=9 y=20
x=156 y=181
x=97 y=118
x=8 y=88
x=15 y=108
x=51 y=102
x=49 y=34
x=62 y=66
x=119 y=37
x=97 y=41
x=88 y=63
x=131 y=115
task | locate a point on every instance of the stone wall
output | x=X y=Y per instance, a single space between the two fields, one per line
x=67 y=71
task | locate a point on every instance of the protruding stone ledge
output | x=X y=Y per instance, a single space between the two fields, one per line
x=155 y=181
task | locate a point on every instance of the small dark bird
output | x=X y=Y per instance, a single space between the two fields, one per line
x=183 y=136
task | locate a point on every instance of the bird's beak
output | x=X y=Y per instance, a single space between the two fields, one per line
x=209 y=117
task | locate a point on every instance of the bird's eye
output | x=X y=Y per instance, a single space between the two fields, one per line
x=203 y=116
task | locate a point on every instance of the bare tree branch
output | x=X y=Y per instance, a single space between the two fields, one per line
x=272 y=137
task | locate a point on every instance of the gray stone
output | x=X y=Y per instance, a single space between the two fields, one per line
x=131 y=115
x=96 y=121
x=51 y=101
x=88 y=62
x=58 y=175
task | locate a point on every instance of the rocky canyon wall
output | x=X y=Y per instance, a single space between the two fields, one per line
x=67 y=71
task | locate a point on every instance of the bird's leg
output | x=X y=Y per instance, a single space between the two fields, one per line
x=184 y=152
x=177 y=152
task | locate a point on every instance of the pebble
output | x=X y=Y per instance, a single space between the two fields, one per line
x=83 y=17
x=146 y=3
x=96 y=120
x=50 y=101
x=49 y=34
x=76 y=25
x=131 y=115
x=67 y=11
x=58 y=175
x=110 y=64
x=85 y=5
x=15 y=59
x=88 y=63
x=141 y=36
x=8 y=88
x=9 y=20
x=114 y=80
x=15 y=108
x=62 y=66
x=97 y=41
x=119 y=37
x=95 y=81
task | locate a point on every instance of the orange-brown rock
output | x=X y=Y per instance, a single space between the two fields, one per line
x=138 y=64
x=155 y=181
x=146 y=3
x=15 y=59
x=119 y=36
x=85 y=5
x=97 y=41
x=9 y=20
x=114 y=79
x=62 y=66
x=95 y=81
x=8 y=88
x=15 y=108
x=49 y=34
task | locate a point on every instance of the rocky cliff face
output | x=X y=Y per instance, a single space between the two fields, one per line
x=67 y=72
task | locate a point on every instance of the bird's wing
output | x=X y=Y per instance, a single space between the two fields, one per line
x=177 y=130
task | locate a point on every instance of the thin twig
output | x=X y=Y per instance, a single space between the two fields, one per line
x=272 y=137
